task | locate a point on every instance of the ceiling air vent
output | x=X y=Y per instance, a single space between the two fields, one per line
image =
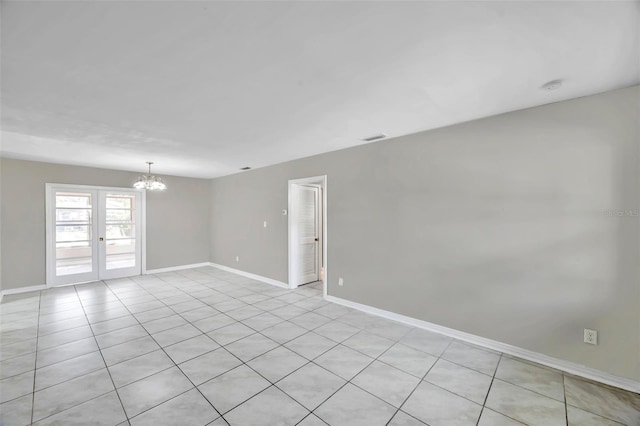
x=375 y=137
x=246 y=168
x=551 y=85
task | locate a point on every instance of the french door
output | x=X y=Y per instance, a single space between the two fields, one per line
x=93 y=233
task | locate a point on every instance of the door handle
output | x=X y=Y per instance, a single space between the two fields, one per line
x=101 y=239
x=316 y=239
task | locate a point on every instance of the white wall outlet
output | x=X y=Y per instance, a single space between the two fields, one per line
x=237 y=258
x=590 y=336
x=265 y=223
x=340 y=281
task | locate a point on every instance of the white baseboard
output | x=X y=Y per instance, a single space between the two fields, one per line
x=40 y=287
x=21 y=290
x=250 y=275
x=559 y=364
x=175 y=268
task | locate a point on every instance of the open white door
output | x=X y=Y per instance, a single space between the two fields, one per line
x=306 y=217
x=92 y=233
x=307 y=231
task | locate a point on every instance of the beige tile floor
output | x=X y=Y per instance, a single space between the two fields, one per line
x=204 y=346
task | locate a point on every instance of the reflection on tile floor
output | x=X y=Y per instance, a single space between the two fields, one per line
x=205 y=346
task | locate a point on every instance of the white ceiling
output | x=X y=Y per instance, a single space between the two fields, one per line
x=204 y=88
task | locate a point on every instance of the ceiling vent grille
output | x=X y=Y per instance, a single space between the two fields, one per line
x=375 y=137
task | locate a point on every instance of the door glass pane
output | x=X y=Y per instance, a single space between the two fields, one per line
x=114 y=202
x=66 y=199
x=120 y=235
x=121 y=254
x=73 y=250
x=73 y=233
x=119 y=214
x=73 y=215
x=120 y=230
x=121 y=246
x=125 y=260
x=79 y=265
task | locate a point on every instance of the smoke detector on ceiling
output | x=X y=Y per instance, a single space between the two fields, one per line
x=552 y=85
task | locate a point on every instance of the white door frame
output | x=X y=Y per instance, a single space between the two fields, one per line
x=49 y=229
x=293 y=250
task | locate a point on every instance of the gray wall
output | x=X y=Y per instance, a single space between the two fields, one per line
x=496 y=227
x=177 y=219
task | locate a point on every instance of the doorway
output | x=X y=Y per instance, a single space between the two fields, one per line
x=308 y=231
x=93 y=233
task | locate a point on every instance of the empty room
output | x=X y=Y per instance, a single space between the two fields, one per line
x=343 y=213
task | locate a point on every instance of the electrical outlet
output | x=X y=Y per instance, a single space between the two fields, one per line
x=590 y=336
x=265 y=223
x=340 y=281
x=237 y=258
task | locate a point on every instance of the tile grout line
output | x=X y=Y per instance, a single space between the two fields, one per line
x=325 y=369
x=123 y=305
x=280 y=344
x=24 y=354
x=360 y=330
x=564 y=393
x=418 y=385
x=221 y=347
x=308 y=331
x=274 y=384
x=174 y=364
x=65 y=381
x=203 y=285
x=243 y=363
x=35 y=361
x=312 y=361
x=347 y=381
x=73 y=378
x=169 y=306
x=100 y=351
x=531 y=390
x=19 y=356
x=378 y=360
x=488 y=390
x=203 y=333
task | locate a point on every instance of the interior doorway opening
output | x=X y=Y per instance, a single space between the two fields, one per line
x=308 y=231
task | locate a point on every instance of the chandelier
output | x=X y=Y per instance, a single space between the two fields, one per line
x=150 y=181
